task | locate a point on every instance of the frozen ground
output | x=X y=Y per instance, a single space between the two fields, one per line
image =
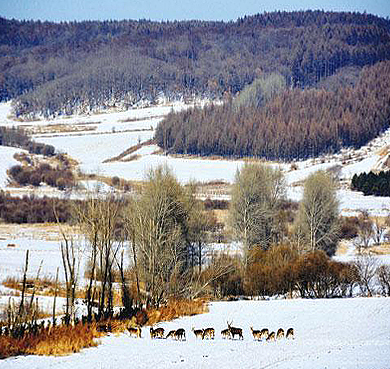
x=6 y=161
x=334 y=333
x=99 y=137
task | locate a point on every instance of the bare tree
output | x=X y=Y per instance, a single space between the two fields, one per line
x=98 y=218
x=158 y=222
x=256 y=194
x=318 y=216
x=366 y=265
x=71 y=256
x=366 y=232
x=383 y=273
x=379 y=230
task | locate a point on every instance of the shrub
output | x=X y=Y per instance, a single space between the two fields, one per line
x=383 y=273
x=56 y=177
x=32 y=210
x=349 y=227
x=115 y=181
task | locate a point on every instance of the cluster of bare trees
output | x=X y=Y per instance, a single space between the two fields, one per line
x=151 y=245
x=256 y=215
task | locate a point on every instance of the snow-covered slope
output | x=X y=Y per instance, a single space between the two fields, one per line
x=337 y=333
x=6 y=161
x=92 y=139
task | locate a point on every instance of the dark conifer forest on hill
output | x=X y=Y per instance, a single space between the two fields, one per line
x=334 y=63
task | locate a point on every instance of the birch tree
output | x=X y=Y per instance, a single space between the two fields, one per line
x=256 y=194
x=158 y=222
x=318 y=215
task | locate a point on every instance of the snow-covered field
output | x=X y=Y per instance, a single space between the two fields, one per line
x=6 y=161
x=335 y=333
x=98 y=137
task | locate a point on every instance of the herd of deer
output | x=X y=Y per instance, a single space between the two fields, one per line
x=209 y=333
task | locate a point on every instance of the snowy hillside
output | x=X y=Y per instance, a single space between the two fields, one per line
x=6 y=161
x=337 y=333
x=95 y=138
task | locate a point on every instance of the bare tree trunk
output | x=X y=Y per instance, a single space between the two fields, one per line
x=55 y=298
x=21 y=306
x=136 y=269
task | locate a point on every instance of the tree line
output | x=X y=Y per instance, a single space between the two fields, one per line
x=377 y=184
x=17 y=137
x=62 y=68
x=293 y=124
x=32 y=209
x=164 y=232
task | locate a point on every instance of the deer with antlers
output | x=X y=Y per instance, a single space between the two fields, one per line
x=234 y=331
x=156 y=333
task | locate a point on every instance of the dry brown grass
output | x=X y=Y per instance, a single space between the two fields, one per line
x=58 y=341
x=44 y=286
x=176 y=309
x=65 y=340
x=129 y=151
x=382 y=249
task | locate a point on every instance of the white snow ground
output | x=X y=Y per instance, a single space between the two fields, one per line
x=334 y=333
x=115 y=133
x=6 y=161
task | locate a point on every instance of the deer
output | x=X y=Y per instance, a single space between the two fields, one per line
x=256 y=334
x=280 y=334
x=180 y=334
x=235 y=331
x=271 y=336
x=198 y=332
x=290 y=333
x=264 y=333
x=156 y=333
x=225 y=333
x=208 y=333
x=135 y=332
x=171 y=334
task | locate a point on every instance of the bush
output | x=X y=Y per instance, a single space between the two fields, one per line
x=229 y=283
x=29 y=209
x=349 y=227
x=383 y=273
x=215 y=204
x=56 y=177
x=115 y=181
x=271 y=272
x=280 y=270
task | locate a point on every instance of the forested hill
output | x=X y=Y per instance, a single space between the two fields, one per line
x=269 y=120
x=61 y=68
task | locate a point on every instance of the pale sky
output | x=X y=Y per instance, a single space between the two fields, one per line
x=68 y=10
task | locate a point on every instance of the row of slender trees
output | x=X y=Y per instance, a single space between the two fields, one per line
x=163 y=230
